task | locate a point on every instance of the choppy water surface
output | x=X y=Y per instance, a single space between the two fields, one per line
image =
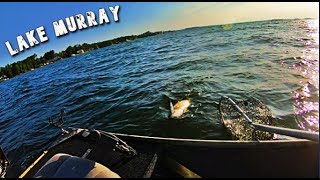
x=126 y=87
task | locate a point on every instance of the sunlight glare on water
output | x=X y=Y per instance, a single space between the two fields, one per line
x=126 y=87
x=307 y=98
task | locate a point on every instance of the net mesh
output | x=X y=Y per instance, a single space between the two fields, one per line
x=238 y=126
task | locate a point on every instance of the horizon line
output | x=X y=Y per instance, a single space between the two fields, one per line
x=172 y=30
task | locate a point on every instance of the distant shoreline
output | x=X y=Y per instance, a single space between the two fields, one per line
x=32 y=62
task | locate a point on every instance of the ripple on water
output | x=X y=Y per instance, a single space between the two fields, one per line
x=126 y=87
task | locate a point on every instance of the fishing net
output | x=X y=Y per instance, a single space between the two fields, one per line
x=238 y=126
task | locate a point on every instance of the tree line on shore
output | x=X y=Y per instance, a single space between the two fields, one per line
x=33 y=62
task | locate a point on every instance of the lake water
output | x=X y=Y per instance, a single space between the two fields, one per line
x=126 y=87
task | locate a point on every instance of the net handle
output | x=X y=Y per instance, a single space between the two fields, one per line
x=313 y=136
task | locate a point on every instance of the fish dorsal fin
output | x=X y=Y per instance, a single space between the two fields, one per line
x=171 y=108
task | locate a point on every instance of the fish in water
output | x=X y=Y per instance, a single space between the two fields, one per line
x=178 y=109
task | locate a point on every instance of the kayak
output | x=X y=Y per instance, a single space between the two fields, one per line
x=132 y=156
x=257 y=150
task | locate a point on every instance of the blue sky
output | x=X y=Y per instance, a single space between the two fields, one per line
x=134 y=18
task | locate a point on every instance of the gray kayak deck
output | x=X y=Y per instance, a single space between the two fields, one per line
x=205 y=158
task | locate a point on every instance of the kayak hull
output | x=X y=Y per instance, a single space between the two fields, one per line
x=172 y=157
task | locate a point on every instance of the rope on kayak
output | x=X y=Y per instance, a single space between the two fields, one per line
x=121 y=145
